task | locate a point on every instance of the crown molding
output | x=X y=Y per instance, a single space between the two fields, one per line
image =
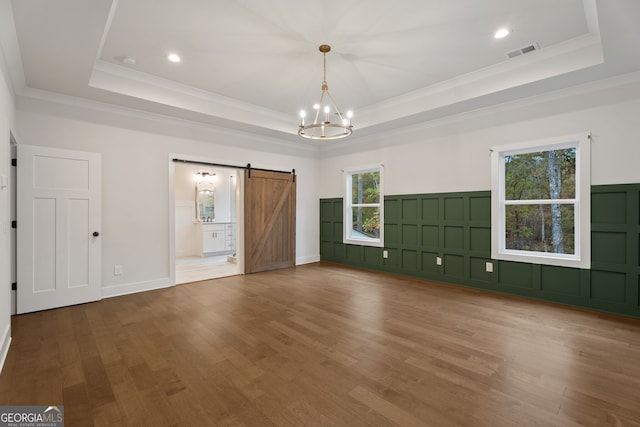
x=55 y=104
x=619 y=88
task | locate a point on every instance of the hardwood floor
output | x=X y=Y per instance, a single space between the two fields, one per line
x=326 y=345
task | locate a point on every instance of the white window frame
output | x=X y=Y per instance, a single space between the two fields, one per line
x=348 y=206
x=582 y=231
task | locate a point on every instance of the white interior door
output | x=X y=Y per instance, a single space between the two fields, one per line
x=58 y=237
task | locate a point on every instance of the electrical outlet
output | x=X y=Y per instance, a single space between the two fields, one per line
x=438 y=261
x=385 y=254
x=489 y=267
x=117 y=270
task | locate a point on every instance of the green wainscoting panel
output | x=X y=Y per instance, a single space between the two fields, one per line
x=480 y=239
x=326 y=228
x=608 y=286
x=429 y=264
x=609 y=208
x=391 y=263
x=430 y=236
x=430 y=210
x=337 y=231
x=517 y=274
x=391 y=234
x=409 y=260
x=454 y=266
x=456 y=227
x=454 y=237
x=373 y=256
x=609 y=247
x=478 y=271
x=480 y=209
x=560 y=280
x=410 y=209
x=391 y=210
x=410 y=234
x=453 y=208
x=339 y=251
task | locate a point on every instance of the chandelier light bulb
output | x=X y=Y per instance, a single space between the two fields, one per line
x=316 y=106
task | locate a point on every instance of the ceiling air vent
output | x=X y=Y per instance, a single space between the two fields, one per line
x=521 y=51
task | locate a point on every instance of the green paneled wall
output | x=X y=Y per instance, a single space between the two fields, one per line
x=456 y=227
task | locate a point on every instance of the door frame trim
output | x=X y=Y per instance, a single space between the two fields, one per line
x=174 y=158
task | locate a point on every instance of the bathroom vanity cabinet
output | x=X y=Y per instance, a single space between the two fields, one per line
x=216 y=238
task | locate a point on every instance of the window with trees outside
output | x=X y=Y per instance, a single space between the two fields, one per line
x=541 y=194
x=364 y=206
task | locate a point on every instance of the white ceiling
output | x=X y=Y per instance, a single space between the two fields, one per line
x=252 y=64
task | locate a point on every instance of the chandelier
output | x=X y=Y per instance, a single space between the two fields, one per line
x=322 y=127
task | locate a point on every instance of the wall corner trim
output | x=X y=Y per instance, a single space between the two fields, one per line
x=4 y=345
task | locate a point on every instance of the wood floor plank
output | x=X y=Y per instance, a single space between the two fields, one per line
x=326 y=345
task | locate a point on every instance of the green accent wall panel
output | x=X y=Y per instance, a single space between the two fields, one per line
x=372 y=256
x=355 y=254
x=391 y=210
x=430 y=235
x=409 y=260
x=410 y=234
x=391 y=235
x=517 y=274
x=453 y=208
x=410 y=209
x=454 y=237
x=456 y=227
x=560 y=280
x=480 y=209
x=454 y=266
x=608 y=247
x=608 y=286
x=430 y=210
x=429 y=265
x=477 y=270
x=480 y=239
x=609 y=208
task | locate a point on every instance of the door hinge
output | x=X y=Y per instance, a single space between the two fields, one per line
x=14 y=224
x=14 y=162
x=14 y=286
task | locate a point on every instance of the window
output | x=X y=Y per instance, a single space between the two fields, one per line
x=364 y=206
x=541 y=202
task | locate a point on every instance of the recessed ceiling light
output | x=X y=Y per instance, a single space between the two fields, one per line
x=501 y=33
x=173 y=57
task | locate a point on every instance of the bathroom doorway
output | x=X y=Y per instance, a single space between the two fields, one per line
x=207 y=200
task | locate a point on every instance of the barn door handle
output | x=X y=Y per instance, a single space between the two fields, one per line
x=96 y=234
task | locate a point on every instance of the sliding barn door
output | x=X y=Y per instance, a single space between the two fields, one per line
x=269 y=220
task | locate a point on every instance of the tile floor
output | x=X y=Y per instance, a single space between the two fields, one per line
x=194 y=269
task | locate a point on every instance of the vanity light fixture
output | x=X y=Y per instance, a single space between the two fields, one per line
x=205 y=176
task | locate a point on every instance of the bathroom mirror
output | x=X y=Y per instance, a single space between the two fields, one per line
x=205 y=201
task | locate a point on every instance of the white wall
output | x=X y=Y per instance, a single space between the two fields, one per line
x=7 y=124
x=135 y=192
x=453 y=155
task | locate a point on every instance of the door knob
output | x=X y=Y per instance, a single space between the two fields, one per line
x=96 y=234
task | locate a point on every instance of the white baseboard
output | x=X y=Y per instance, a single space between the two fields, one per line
x=132 y=288
x=307 y=259
x=4 y=346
